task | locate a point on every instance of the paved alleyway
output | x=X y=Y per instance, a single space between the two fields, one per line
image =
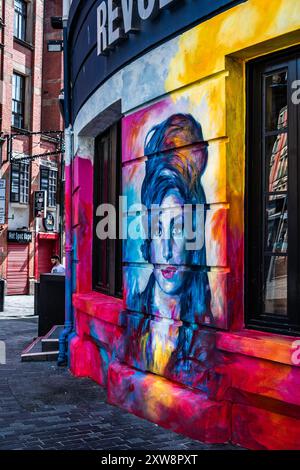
x=44 y=407
x=18 y=306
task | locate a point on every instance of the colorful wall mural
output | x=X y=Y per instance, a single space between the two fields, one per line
x=166 y=162
x=164 y=280
x=174 y=350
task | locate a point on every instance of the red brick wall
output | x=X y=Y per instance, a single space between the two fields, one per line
x=52 y=71
x=44 y=82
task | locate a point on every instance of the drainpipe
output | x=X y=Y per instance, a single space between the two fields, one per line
x=69 y=316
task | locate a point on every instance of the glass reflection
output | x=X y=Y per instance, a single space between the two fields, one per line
x=277 y=224
x=277 y=156
x=276 y=194
x=276 y=99
x=275 y=292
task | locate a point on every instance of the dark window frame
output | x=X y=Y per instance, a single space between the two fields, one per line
x=255 y=197
x=51 y=186
x=20 y=176
x=20 y=20
x=107 y=151
x=18 y=103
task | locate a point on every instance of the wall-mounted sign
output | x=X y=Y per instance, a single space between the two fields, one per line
x=19 y=236
x=40 y=203
x=113 y=22
x=2 y=201
x=49 y=222
x=101 y=39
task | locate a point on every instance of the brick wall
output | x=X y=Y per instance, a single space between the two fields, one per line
x=52 y=70
x=44 y=80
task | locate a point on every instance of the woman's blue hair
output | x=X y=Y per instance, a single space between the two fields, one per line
x=177 y=157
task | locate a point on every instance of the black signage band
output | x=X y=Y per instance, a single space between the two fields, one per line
x=89 y=69
x=19 y=237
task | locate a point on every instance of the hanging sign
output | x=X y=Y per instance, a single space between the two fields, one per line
x=40 y=203
x=49 y=222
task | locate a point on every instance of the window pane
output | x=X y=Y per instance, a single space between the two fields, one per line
x=20 y=19
x=103 y=181
x=276 y=210
x=52 y=188
x=275 y=288
x=276 y=99
x=107 y=254
x=14 y=85
x=16 y=20
x=277 y=224
x=105 y=168
x=18 y=83
x=44 y=179
x=277 y=162
x=24 y=183
x=15 y=182
x=272 y=301
x=48 y=182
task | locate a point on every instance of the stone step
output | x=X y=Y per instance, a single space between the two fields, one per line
x=40 y=356
x=43 y=348
x=49 y=345
x=51 y=340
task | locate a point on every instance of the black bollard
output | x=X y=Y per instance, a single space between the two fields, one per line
x=2 y=290
x=51 y=302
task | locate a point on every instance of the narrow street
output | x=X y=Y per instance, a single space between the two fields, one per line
x=44 y=407
x=18 y=306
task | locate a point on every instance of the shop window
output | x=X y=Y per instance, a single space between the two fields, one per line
x=20 y=19
x=18 y=101
x=272 y=281
x=19 y=190
x=48 y=182
x=107 y=254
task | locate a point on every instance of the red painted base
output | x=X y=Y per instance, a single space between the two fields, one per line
x=238 y=394
x=86 y=360
x=180 y=409
x=259 y=429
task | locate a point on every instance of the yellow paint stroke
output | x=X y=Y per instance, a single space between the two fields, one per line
x=163 y=345
x=201 y=54
x=206 y=102
x=156 y=396
x=202 y=50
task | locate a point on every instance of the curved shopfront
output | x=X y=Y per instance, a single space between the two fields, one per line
x=189 y=112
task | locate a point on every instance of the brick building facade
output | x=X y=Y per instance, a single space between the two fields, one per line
x=31 y=80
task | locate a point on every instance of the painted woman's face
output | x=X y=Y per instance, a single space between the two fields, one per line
x=168 y=245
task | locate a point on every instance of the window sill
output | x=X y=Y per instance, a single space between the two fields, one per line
x=21 y=131
x=19 y=205
x=103 y=307
x=26 y=44
x=272 y=347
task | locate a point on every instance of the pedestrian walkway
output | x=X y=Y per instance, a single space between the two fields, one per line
x=44 y=407
x=18 y=306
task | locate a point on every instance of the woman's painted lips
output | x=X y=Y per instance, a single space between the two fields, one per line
x=169 y=272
